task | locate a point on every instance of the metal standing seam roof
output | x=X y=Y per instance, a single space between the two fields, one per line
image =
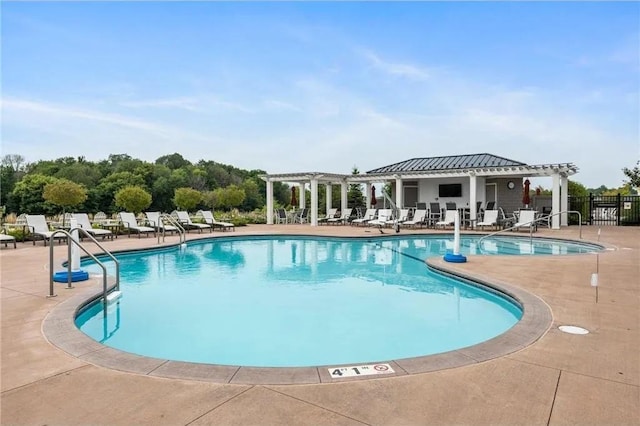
x=452 y=162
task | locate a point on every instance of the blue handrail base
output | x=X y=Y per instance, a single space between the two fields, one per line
x=63 y=276
x=455 y=258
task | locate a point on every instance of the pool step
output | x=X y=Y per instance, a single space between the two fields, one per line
x=113 y=296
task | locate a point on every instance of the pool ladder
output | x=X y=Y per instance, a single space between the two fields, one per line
x=174 y=222
x=70 y=241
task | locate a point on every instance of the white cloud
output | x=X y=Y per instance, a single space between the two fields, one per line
x=395 y=69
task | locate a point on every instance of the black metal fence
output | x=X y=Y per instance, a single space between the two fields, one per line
x=606 y=209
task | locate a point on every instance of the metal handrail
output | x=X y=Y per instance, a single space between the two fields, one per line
x=173 y=222
x=94 y=258
x=533 y=222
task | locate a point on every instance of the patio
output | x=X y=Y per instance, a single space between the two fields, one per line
x=560 y=379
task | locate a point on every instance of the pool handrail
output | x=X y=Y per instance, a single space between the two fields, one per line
x=70 y=240
x=172 y=221
x=535 y=221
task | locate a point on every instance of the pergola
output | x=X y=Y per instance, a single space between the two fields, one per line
x=476 y=168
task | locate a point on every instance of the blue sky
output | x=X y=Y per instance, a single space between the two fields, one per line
x=288 y=87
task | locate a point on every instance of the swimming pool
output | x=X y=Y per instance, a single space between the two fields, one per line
x=295 y=301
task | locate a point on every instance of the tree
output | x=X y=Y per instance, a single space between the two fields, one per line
x=633 y=175
x=173 y=161
x=354 y=196
x=27 y=195
x=133 y=199
x=186 y=198
x=210 y=199
x=65 y=194
x=229 y=197
x=11 y=170
x=253 y=199
x=576 y=189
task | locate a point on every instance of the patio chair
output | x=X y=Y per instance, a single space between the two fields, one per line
x=301 y=216
x=207 y=215
x=449 y=219
x=130 y=223
x=385 y=217
x=366 y=217
x=450 y=206
x=526 y=220
x=83 y=222
x=330 y=215
x=435 y=213
x=490 y=219
x=6 y=238
x=38 y=227
x=280 y=216
x=419 y=217
x=184 y=219
x=344 y=217
x=156 y=221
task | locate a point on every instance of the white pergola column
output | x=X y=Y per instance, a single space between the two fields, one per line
x=343 y=196
x=399 y=203
x=555 y=201
x=269 y=202
x=302 y=193
x=314 y=201
x=564 y=200
x=473 y=197
x=367 y=193
x=329 y=198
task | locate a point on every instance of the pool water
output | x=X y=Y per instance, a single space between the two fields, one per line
x=287 y=301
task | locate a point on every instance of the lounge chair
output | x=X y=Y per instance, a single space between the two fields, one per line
x=83 y=222
x=185 y=221
x=526 y=220
x=449 y=219
x=385 y=217
x=38 y=227
x=419 y=217
x=369 y=215
x=331 y=214
x=6 y=239
x=130 y=223
x=490 y=219
x=155 y=219
x=344 y=217
x=207 y=215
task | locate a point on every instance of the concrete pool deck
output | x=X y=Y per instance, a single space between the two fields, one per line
x=559 y=379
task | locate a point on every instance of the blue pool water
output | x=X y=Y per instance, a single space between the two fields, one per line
x=286 y=301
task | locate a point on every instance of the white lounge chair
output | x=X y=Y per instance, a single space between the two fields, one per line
x=7 y=239
x=383 y=219
x=368 y=215
x=331 y=214
x=83 y=222
x=490 y=219
x=526 y=220
x=207 y=215
x=344 y=217
x=449 y=219
x=155 y=220
x=419 y=218
x=130 y=223
x=38 y=227
x=185 y=220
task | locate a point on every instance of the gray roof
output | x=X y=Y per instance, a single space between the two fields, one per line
x=451 y=162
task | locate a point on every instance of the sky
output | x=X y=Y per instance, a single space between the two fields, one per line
x=325 y=86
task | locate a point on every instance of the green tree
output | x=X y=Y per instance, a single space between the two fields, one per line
x=576 y=189
x=65 y=194
x=253 y=199
x=229 y=197
x=633 y=175
x=210 y=199
x=133 y=199
x=354 y=195
x=27 y=195
x=11 y=170
x=186 y=198
x=173 y=161
x=102 y=197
